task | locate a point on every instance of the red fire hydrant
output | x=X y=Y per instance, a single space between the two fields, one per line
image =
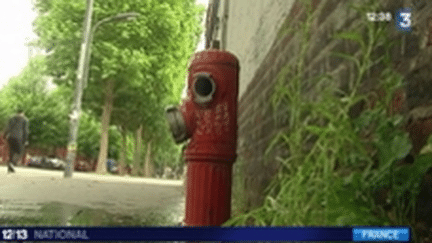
x=208 y=116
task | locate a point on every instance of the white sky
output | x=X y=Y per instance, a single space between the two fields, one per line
x=16 y=17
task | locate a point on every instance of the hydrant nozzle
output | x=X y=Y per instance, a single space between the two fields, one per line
x=177 y=124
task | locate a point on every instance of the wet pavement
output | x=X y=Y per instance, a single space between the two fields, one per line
x=23 y=213
x=36 y=197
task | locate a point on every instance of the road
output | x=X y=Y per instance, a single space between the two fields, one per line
x=29 y=189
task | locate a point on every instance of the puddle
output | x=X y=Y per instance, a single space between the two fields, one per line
x=21 y=213
x=25 y=213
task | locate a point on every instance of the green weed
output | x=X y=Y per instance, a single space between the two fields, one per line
x=337 y=162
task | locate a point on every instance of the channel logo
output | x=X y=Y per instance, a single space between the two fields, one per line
x=403 y=20
x=394 y=234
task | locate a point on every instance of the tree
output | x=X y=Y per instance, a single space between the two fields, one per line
x=46 y=109
x=136 y=64
x=123 y=150
x=138 y=150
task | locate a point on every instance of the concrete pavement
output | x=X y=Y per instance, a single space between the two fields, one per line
x=116 y=194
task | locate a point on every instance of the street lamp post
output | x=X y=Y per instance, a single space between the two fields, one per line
x=74 y=116
x=82 y=77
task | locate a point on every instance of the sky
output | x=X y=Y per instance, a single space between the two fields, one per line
x=16 y=17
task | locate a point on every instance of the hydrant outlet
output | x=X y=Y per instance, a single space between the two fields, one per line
x=203 y=87
x=177 y=124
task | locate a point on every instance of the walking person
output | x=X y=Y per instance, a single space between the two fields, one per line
x=16 y=134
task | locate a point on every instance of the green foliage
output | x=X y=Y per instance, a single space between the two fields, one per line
x=147 y=58
x=130 y=140
x=239 y=204
x=47 y=110
x=114 y=140
x=353 y=194
x=137 y=54
x=88 y=135
x=329 y=177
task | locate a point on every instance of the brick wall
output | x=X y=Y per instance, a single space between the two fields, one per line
x=258 y=124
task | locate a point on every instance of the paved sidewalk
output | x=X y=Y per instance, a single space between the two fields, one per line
x=108 y=192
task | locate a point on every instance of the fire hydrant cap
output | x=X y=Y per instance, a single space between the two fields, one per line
x=214 y=56
x=176 y=123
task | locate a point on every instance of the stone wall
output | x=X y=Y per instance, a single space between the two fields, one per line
x=258 y=124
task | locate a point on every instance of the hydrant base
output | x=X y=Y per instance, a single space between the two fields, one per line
x=208 y=193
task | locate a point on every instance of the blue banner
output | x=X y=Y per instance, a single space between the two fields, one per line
x=396 y=234
x=382 y=234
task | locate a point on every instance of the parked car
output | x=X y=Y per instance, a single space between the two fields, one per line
x=82 y=166
x=112 y=166
x=57 y=164
x=46 y=163
x=35 y=161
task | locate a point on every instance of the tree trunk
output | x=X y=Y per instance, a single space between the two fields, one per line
x=148 y=166
x=106 y=116
x=123 y=149
x=138 y=151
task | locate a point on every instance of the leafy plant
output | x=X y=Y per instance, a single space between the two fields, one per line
x=136 y=67
x=336 y=162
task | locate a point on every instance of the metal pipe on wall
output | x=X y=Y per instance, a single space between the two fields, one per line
x=224 y=28
x=212 y=22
